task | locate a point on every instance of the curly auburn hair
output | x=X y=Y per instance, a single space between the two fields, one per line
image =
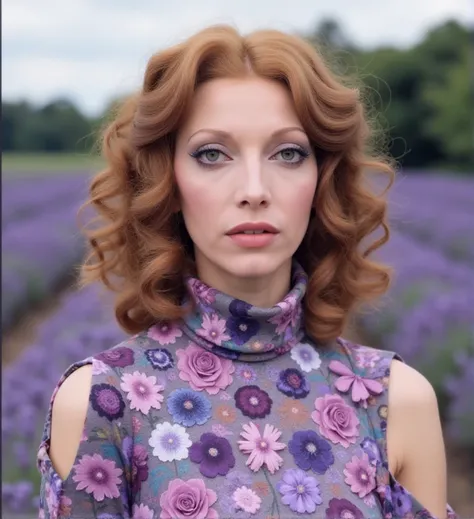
x=141 y=248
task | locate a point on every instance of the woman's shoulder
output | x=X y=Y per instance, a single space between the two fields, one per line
x=406 y=382
x=95 y=383
x=367 y=361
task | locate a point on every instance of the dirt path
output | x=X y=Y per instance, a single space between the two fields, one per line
x=24 y=332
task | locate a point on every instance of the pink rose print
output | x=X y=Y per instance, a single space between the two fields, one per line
x=362 y=388
x=188 y=499
x=337 y=421
x=204 y=370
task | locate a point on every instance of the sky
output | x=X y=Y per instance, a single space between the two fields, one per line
x=91 y=51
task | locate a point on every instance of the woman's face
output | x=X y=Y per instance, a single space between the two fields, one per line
x=242 y=158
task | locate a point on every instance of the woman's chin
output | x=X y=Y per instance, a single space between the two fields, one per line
x=257 y=265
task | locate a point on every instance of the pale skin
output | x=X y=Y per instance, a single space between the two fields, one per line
x=253 y=182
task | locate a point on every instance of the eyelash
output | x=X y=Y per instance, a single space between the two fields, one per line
x=304 y=154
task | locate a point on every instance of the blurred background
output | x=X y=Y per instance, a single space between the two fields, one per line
x=66 y=64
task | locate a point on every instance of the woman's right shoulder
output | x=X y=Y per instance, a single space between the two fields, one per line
x=81 y=386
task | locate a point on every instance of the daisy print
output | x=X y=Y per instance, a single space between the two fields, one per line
x=213 y=329
x=98 y=476
x=142 y=391
x=262 y=448
x=306 y=357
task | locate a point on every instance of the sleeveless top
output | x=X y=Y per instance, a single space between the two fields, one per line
x=233 y=412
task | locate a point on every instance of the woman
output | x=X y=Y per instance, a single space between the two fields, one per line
x=233 y=211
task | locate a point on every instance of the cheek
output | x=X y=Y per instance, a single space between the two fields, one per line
x=300 y=203
x=197 y=206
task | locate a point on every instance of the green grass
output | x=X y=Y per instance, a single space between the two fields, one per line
x=14 y=164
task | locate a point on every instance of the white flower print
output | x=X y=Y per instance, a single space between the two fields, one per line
x=306 y=357
x=170 y=442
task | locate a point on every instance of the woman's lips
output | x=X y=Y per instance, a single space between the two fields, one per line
x=251 y=241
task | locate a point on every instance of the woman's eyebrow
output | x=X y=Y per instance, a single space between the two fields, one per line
x=227 y=135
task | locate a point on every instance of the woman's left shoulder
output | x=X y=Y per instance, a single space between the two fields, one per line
x=368 y=361
x=407 y=386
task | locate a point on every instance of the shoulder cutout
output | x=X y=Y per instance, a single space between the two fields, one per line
x=68 y=419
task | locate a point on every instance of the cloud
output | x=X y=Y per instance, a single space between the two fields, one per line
x=92 y=50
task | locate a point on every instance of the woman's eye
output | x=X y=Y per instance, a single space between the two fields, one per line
x=293 y=155
x=207 y=157
x=211 y=155
x=289 y=155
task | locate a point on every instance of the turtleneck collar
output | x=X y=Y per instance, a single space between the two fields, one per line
x=235 y=329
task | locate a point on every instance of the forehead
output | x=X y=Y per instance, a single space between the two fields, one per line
x=237 y=102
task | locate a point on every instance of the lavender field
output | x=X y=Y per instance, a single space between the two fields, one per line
x=427 y=317
x=40 y=239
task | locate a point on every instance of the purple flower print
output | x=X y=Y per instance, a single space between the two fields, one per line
x=293 y=383
x=246 y=373
x=402 y=502
x=139 y=467
x=119 y=357
x=214 y=455
x=239 y=308
x=370 y=447
x=202 y=293
x=107 y=401
x=362 y=388
x=160 y=358
x=299 y=491
x=242 y=329
x=237 y=478
x=253 y=401
x=310 y=451
x=342 y=509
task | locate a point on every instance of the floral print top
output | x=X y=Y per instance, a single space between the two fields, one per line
x=232 y=413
